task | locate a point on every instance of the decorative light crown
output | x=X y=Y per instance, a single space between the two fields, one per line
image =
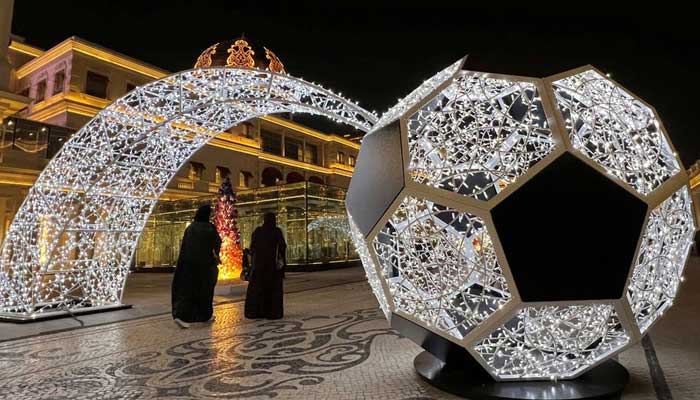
x=239 y=53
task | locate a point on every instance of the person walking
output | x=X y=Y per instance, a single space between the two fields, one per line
x=264 y=297
x=196 y=271
x=245 y=265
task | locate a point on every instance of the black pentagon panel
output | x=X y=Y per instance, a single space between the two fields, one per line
x=569 y=233
x=378 y=177
x=441 y=348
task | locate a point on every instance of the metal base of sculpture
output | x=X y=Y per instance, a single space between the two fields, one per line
x=59 y=313
x=451 y=368
x=468 y=379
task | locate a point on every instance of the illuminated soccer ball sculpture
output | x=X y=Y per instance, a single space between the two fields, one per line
x=542 y=225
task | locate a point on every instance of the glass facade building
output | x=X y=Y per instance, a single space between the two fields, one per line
x=32 y=137
x=312 y=217
x=277 y=154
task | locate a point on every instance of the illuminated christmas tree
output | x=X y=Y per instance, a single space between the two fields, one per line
x=231 y=254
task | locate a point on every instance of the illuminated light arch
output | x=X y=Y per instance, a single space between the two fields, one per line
x=71 y=242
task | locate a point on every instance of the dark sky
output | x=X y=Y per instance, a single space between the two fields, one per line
x=377 y=55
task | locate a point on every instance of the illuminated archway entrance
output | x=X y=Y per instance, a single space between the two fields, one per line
x=73 y=239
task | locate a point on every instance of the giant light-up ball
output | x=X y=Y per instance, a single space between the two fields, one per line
x=542 y=225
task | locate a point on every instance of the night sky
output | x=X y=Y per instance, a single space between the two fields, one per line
x=375 y=56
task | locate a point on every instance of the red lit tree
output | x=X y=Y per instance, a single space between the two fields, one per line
x=225 y=220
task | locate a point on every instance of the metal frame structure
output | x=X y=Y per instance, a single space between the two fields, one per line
x=467 y=141
x=71 y=243
x=433 y=255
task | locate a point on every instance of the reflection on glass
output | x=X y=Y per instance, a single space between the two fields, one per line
x=271 y=142
x=30 y=137
x=311 y=216
x=58 y=136
x=42 y=140
x=293 y=148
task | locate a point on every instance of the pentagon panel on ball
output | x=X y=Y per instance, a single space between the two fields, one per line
x=521 y=228
x=552 y=341
x=478 y=135
x=615 y=130
x=566 y=228
x=441 y=266
x=659 y=268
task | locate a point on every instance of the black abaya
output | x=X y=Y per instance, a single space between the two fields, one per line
x=264 y=297
x=196 y=273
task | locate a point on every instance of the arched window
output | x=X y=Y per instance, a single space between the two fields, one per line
x=351 y=161
x=294 y=177
x=340 y=158
x=316 y=179
x=271 y=176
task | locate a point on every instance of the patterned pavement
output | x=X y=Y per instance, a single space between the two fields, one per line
x=332 y=344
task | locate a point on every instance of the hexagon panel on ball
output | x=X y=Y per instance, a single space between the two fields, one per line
x=531 y=227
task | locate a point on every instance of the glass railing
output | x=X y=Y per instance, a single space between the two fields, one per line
x=32 y=137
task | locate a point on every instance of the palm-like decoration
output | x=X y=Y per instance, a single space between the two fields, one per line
x=230 y=254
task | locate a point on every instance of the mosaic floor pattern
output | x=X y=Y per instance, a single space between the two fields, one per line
x=318 y=351
x=333 y=344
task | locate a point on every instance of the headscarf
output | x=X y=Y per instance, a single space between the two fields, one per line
x=203 y=214
x=269 y=220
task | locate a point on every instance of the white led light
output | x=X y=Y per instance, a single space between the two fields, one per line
x=71 y=242
x=553 y=341
x=433 y=257
x=441 y=266
x=499 y=124
x=659 y=268
x=615 y=130
x=369 y=266
x=337 y=223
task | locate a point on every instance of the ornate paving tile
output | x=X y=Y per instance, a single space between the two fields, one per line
x=320 y=351
x=333 y=344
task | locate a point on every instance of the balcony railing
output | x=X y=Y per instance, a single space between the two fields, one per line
x=32 y=137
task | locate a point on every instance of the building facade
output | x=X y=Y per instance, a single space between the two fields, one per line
x=50 y=94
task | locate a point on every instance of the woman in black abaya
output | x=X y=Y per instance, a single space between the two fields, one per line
x=196 y=272
x=264 y=298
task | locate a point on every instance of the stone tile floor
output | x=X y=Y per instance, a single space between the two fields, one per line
x=333 y=344
x=149 y=294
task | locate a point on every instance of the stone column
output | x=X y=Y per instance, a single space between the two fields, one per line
x=6 y=7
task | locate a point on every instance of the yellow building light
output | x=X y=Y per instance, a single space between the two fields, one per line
x=342 y=167
x=25 y=49
x=18 y=176
x=80 y=46
x=695 y=181
x=310 y=132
